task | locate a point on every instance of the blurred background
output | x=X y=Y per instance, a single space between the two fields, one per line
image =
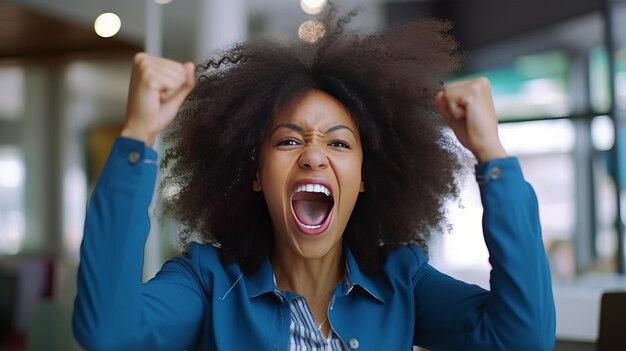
x=558 y=73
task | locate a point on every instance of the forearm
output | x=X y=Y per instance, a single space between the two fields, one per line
x=518 y=312
x=107 y=306
x=520 y=306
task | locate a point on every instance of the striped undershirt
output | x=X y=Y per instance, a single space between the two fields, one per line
x=304 y=333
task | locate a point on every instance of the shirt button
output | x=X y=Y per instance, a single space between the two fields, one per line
x=353 y=343
x=134 y=157
x=495 y=173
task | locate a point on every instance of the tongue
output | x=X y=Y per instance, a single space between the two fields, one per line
x=311 y=208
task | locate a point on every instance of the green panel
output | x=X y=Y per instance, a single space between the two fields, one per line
x=599 y=89
x=513 y=86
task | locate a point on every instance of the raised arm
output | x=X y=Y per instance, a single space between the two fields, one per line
x=113 y=309
x=518 y=311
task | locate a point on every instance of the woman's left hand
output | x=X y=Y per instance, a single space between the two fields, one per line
x=467 y=107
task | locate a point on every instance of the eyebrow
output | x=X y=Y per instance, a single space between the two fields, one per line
x=299 y=129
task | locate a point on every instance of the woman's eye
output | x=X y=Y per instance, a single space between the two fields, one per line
x=339 y=144
x=288 y=142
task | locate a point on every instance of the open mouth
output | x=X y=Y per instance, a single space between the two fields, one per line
x=311 y=205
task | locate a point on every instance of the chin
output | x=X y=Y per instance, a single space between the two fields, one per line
x=317 y=248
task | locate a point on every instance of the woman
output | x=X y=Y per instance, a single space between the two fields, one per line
x=312 y=176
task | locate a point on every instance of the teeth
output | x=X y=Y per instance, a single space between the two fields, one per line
x=312 y=226
x=313 y=188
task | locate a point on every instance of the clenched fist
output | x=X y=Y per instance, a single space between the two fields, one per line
x=158 y=87
x=467 y=107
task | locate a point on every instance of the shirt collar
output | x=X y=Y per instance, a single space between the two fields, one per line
x=355 y=277
x=261 y=281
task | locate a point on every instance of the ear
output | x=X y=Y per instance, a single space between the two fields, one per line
x=256 y=183
x=362 y=187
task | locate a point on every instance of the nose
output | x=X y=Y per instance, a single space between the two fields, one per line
x=313 y=158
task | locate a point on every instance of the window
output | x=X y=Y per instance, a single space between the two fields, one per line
x=565 y=158
x=12 y=221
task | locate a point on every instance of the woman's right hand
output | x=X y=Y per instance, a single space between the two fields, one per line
x=158 y=87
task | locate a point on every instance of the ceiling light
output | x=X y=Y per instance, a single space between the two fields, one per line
x=107 y=25
x=311 y=31
x=312 y=7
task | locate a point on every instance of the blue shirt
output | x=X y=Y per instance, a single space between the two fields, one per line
x=195 y=302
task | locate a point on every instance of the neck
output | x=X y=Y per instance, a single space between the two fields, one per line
x=312 y=278
x=308 y=276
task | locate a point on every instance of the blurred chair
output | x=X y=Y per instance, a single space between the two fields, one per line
x=612 y=334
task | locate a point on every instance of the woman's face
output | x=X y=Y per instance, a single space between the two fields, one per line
x=310 y=174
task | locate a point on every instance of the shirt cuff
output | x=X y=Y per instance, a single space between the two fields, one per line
x=134 y=151
x=131 y=166
x=495 y=169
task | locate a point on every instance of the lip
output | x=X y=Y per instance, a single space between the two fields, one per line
x=301 y=227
